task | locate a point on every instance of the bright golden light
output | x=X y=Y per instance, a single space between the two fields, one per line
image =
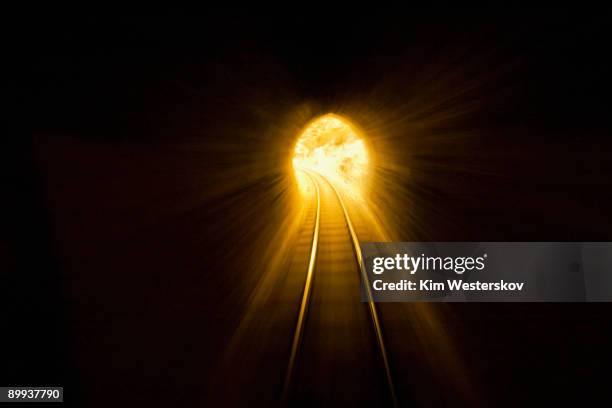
x=330 y=146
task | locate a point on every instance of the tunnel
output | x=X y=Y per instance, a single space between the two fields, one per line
x=178 y=171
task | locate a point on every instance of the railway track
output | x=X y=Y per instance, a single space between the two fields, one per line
x=338 y=353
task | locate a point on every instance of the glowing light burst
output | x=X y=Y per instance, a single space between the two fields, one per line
x=330 y=146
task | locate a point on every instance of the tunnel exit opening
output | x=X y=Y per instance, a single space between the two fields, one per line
x=331 y=146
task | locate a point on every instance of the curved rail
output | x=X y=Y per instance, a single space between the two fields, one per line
x=371 y=304
x=299 y=329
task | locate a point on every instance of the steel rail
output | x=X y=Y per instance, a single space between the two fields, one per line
x=299 y=329
x=366 y=284
x=308 y=289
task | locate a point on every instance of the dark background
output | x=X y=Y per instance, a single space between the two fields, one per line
x=150 y=133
